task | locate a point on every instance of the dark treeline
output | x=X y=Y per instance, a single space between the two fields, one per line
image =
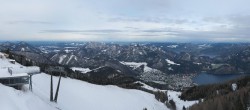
x=210 y=91
x=238 y=100
x=220 y=96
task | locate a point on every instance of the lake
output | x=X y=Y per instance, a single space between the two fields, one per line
x=205 y=78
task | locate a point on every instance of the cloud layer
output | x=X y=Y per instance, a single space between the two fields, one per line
x=126 y=20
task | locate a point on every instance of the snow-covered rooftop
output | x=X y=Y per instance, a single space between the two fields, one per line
x=8 y=69
x=7 y=75
x=29 y=70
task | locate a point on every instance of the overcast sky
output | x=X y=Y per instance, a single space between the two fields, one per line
x=126 y=20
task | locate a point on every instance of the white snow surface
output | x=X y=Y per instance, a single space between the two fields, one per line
x=145 y=86
x=82 y=70
x=179 y=103
x=5 y=64
x=172 y=46
x=138 y=64
x=62 y=58
x=171 y=95
x=171 y=62
x=134 y=64
x=16 y=69
x=12 y=99
x=23 y=69
x=80 y=95
x=70 y=58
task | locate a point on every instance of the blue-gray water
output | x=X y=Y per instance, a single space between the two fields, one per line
x=205 y=78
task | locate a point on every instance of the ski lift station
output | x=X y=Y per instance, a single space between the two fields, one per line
x=14 y=74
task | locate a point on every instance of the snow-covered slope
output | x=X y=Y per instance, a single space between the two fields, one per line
x=173 y=95
x=171 y=62
x=82 y=70
x=135 y=65
x=148 y=74
x=11 y=99
x=79 y=95
x=73 y=95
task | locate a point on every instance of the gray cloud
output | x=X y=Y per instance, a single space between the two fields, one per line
x=150 y=19
x=82 y=31
x=172 y=20
x=157 y=30
x=212 y=36
x=29 y=22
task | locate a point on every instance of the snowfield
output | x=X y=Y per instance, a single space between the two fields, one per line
x=171 y=62
x=79 y=95
x=172 y=95
x=179 y=103
x=172 y=46
x=12 y=99
x=145 y=86
x=135 y=65
x=62 y=58
x=82 y=70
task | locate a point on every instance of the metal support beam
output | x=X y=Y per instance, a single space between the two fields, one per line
x=51 y=88
x=57 y=90
x=30 y=86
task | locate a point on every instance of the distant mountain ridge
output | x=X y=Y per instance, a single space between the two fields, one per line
x=163 y=59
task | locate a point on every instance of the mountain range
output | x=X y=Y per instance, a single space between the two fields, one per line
x=145 y=61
